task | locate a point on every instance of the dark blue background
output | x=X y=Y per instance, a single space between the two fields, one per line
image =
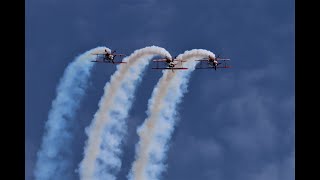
x=234 y=124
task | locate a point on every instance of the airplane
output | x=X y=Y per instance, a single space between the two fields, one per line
x=170 y=63
x=213 y=62
x=107 y=57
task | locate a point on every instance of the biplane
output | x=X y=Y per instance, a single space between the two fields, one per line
x=107 y=57
x=213 y=63
x=170 y=64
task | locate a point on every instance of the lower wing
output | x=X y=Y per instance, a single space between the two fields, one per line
x=213 y=67
x=223 y=66
x=172 y=68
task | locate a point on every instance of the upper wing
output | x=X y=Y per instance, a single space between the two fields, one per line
x=220 y=59
x=120 y=54
x=99 y=53
x=202 y=60
x=179 y=60
x=110 y=62
x=160 y=60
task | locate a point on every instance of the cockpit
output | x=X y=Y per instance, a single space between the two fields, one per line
x=110 y=56
x=171 y=64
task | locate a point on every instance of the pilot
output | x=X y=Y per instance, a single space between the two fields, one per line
x=171 y=64
x=215 y=62
x=110 y=56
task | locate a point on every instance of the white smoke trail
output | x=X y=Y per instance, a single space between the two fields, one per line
x=53 y=159
x=156 y=130
x=105 y=134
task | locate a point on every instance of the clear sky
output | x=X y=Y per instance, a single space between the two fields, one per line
x=234 y=124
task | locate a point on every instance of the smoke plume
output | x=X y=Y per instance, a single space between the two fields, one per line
x=156 y=130
x=101 y=155
x=54 y=156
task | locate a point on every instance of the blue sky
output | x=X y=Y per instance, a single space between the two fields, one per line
x=234 y=124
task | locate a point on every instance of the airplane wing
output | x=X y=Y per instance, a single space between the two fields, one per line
x=224 y=67
x=159 y=60
x=180 y=60
x=213 y=67
x=99 y=61
x=202 y=60
x=99 y=53
x=172 y=68
x=120 y=54
x=218 y=59
x=119 y=62
x=109 y=62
